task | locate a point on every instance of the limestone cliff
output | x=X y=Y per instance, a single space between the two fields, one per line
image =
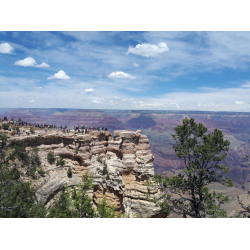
x=127 y=156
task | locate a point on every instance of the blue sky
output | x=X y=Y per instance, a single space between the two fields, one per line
x=206 y=71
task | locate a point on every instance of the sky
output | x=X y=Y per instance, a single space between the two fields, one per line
x=205 y=71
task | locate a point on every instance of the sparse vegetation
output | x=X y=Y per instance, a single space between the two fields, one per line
x=60 y=161
x=69 y=172
x=104 y=171
x=32 y=130
x=51 y=157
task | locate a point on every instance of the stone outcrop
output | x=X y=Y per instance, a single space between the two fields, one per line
x=126 y=154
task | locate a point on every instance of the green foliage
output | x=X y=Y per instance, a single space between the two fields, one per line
x=5 y=126
x=20 y=151
x=32 y=130
x=104 y=210
x=51 y=158
x=60 y=161
x=61 y=207
x=76 y=151
x=76 y=203
x=82 y=203
x=69 y=172
x=17 y=198
x=30 y=160
x=105 y=167
x=41 y=172
x=202 y=154
x=3 y=137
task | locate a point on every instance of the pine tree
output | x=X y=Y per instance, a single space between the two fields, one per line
x=202 y=154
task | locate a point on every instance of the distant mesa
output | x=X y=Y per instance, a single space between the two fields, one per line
x=142 y=121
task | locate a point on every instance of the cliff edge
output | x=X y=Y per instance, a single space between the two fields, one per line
x=125 y=157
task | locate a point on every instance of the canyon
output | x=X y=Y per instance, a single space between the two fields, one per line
x=126 y=154
x=158 y=127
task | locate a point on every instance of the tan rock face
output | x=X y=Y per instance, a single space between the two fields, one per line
x=127 y=156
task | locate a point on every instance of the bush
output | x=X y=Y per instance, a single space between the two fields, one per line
x=51 y=158
x=69 y=172
x=60 y=161
x=41 y=172
x=32 y=130
x=3 y=137
x=5 y=126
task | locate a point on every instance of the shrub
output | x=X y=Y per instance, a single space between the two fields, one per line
x=69 y=172
x=3 y=137
x=50 y=157
x=31 y=172
x=32 y=130
x=5 y=126
x=41 y=172
x=60 y=161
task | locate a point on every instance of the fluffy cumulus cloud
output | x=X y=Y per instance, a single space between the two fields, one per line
x=6 y=48
x=239 y=102
x=31 y=62
x=120 y=74
x=148 y=50
x=59 y=75
x=136 y=64
x=91 y=90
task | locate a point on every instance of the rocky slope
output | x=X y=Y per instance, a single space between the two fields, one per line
x=158 y=126
x=127 y=156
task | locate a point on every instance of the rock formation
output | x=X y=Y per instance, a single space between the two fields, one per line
x=126 y=155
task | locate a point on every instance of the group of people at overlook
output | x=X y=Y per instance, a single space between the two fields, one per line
x=79 y=129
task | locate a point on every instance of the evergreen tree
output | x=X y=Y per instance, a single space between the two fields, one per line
x=62 y=206
x=202 y=154
x=82 y=203
x=17 y=198
x=104 y=210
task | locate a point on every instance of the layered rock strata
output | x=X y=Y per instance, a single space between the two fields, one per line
x=126 y=155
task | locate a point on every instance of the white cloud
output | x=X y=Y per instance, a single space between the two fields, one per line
x=174 y=104
x=148 y=50
x=120 y=74
x=136 y=64
x=89 y=90
x=6 y=48
x=32 y=100
x=43 y=65
x=59 y=75
x=206 y=105
x=239 y=102
x=30 y=62
x=247 y=85
x=96 y=101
